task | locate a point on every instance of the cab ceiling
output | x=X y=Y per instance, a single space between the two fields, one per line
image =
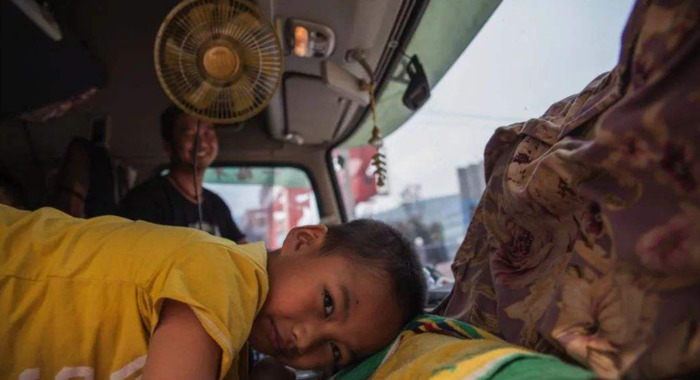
x=121 y=35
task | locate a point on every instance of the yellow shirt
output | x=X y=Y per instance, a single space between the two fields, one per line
x=81 y=298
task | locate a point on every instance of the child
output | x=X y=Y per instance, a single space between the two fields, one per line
x=112 y=298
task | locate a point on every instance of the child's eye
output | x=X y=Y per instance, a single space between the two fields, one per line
x=336 y=354
x=328 y=305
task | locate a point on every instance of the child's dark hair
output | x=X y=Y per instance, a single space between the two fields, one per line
x=167 y=122
x=379 y=246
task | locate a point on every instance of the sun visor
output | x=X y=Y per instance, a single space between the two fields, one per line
x=313 y=110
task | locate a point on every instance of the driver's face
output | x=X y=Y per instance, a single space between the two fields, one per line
x=324 y=311
x=184 y=133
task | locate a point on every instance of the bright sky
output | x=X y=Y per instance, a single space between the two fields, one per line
x=529 y=54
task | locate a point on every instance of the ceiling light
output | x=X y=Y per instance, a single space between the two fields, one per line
x=301 y=41
x=308 y=39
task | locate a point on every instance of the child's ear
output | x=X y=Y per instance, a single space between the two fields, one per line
x=303 y=239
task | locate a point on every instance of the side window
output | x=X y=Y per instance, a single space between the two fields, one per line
x=266 y=202
x=435 y=224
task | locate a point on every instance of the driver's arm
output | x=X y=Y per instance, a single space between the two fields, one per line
x=180 y=348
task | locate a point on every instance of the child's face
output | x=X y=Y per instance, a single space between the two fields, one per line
x=322 y=311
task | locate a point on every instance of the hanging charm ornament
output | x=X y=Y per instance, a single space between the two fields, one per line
x=379 y=162
x=379 y=159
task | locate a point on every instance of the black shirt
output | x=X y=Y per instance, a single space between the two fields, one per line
x=158 y=201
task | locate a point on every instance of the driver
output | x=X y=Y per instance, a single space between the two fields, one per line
x=171 y=199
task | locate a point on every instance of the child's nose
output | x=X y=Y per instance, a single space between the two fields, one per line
x=305 y=337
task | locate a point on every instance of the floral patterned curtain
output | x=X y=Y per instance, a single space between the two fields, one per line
x=586 y=243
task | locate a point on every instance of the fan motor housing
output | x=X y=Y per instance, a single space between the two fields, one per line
x=220 y=60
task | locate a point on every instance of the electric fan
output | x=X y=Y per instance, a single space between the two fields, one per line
x=219 y=60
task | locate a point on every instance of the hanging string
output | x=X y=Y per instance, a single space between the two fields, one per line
x=194 y=176
x=379 y=159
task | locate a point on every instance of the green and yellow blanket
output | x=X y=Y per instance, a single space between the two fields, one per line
x=437 y=348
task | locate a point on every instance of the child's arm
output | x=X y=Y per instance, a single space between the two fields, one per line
x=180 y=348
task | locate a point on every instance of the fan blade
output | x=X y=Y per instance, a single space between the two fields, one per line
x=246 y=22
x=264 y=56
x=263 y=73
x=240 y=25
x=199 y=25
x=200 y=14
x=175 y=54
x=251 y=58
x=243 y=94
x=204 y=96
x=171 y=56
x=198 y=37
x=271 y=65
x=221 y=16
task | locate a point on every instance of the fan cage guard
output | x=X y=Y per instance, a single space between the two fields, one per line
x=219 y=60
